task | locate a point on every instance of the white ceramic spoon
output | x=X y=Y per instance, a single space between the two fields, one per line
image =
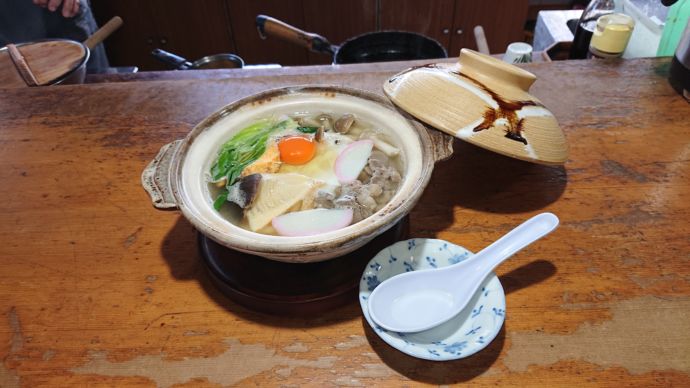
x=419 y=300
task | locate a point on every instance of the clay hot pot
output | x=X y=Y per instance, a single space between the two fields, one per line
x=176 y=178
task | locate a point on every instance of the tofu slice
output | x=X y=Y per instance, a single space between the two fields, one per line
x=268 y=162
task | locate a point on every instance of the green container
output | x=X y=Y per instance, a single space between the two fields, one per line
x=676 y=20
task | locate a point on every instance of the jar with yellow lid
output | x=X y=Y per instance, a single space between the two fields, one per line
x=611 y=35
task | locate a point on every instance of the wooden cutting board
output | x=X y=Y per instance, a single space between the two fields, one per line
x=49 y=61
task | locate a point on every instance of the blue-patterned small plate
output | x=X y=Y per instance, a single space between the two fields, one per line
x=469 y=332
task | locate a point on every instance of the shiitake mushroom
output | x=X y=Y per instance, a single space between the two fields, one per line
x=344 y=123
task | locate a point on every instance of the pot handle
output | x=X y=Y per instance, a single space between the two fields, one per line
x=157 y=177
x=443 y=144
x=170 y=59
x=268 y=26
x=108 y=28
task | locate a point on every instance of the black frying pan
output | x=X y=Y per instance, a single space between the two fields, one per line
x=370 y=47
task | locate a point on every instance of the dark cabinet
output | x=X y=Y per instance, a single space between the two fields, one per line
x=502 y=20
x=189 y=29
x=250 y=46
x=337 y=21
x=197 y=28
x=433 y=18
x=334 y=20
x=451 y=22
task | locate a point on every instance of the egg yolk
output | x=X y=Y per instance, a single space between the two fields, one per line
x=296 y=150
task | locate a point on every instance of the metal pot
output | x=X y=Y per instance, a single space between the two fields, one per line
x=217 y=61
x=77 y=75
x=370 y=47
x=176 y=178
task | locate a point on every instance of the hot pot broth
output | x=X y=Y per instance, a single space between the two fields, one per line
x=304 y=173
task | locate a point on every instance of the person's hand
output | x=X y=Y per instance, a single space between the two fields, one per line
x=69 y=7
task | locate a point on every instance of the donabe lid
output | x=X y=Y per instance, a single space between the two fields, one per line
x=484 y=101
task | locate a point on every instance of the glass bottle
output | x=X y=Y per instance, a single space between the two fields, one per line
x=611 y=36
x=586 y=25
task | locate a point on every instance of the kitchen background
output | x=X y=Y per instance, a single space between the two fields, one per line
x=194 y=29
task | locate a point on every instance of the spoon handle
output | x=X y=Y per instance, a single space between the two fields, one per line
x=515 y=240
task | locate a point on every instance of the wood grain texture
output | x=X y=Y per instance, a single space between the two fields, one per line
x=9 y=75
x=98 y=288
x=502 y=20
x=48 y=60
x=21 y=65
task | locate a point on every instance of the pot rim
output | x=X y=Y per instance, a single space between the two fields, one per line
x=337 y=56
x=317 y=247
x=226 y=56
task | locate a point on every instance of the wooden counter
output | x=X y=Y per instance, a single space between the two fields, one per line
x=97 y=288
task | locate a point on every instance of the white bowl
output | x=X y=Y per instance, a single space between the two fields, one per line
x=467 y=333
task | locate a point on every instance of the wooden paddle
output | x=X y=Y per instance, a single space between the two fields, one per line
x=44 y=62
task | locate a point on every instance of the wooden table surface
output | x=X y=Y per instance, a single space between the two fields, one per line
x=97 y=288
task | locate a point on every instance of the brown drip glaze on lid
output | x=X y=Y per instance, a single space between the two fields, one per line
x=481 y=92
x=507 y=109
